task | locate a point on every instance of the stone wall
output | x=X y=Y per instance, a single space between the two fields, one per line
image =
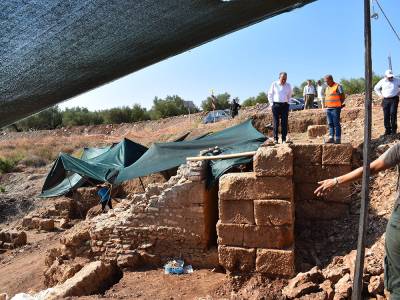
x=167 y=221
x=10 y=239
x=316 y=162
x=257 y=209
x=255 y=230
x=178 y=218
x=300 y=120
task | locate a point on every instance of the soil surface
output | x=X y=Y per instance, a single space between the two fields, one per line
x=317 y=243
x=21 y=270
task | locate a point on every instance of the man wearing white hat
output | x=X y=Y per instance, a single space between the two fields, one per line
x=388 y=89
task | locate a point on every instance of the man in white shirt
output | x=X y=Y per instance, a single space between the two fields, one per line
x=388 y=89
x=279 y=94
x=321 y=94
x=308 y=95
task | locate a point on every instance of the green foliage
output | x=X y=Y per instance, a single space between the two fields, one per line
x=76 y=116
x=261 y=98
x=139 y=113
x=2 y=189
x=7 y=164
x=350 y=86
x=353 y=85
x=168 y=107
x=297 y=92
x=222 y=102
x=357 y=85
x=118 y=115
x=48 y=119
x=80 y=116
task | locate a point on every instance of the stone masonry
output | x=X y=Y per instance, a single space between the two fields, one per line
x=167 y=221
x=256 y=215
x=257 y=209
x=177 y=219
x=316 y=162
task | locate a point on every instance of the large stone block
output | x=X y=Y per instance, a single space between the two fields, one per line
x=275 y=262
x=315 y=131
x=93 y=277
x=230 y=234
x=267 y=236
x=27 y=222
x=307 y=154
x=305 y=191
x=313 y=174
x=18 y=238
x=274 y=161
x=46 y=224
x=320 y=210
x=235 y=259
x=247 y=186
x=273 y=212
x=237 y=212
x=333 y=154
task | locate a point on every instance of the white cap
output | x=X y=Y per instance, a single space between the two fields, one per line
x=388 y=73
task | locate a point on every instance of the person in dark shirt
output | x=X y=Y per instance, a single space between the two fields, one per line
x=104 y=193
x=235 y=107
x=387 y=160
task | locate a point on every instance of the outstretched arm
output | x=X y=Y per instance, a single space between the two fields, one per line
x=327 y=185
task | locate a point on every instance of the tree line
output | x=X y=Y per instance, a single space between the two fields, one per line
x=350 y=86
x=170 y=106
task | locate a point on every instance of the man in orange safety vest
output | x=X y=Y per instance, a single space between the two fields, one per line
x=333 y=103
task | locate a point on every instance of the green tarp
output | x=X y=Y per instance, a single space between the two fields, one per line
x=95 y=165
x=128 y=160
x=164 y=156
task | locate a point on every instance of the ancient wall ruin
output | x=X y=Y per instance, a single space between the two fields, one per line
x=300 y=121
x=255 y=230
x=257 y=209
x=313 y=163
x=254 y=214
x=167 y=221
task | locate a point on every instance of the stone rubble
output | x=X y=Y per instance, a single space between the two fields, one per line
x=167 y=221
x=336 y=281
x=10 y=239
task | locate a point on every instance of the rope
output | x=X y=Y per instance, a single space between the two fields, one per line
x=387 y=19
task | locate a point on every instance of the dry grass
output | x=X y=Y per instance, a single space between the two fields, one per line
x=39 y=151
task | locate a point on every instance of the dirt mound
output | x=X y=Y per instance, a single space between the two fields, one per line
x=20 y=193
x=358 y=100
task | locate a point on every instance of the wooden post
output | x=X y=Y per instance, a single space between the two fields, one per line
x=223 y=156
x=362 y=228
x=141 y=182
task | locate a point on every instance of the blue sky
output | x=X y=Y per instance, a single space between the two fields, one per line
x=323 y=37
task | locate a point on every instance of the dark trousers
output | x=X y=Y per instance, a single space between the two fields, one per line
x=333 y=117
x=280 y=113
x=105 y=203
x=389 y=106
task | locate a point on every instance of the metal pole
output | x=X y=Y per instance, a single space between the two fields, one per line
x=390 y=61
x=359 y=266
